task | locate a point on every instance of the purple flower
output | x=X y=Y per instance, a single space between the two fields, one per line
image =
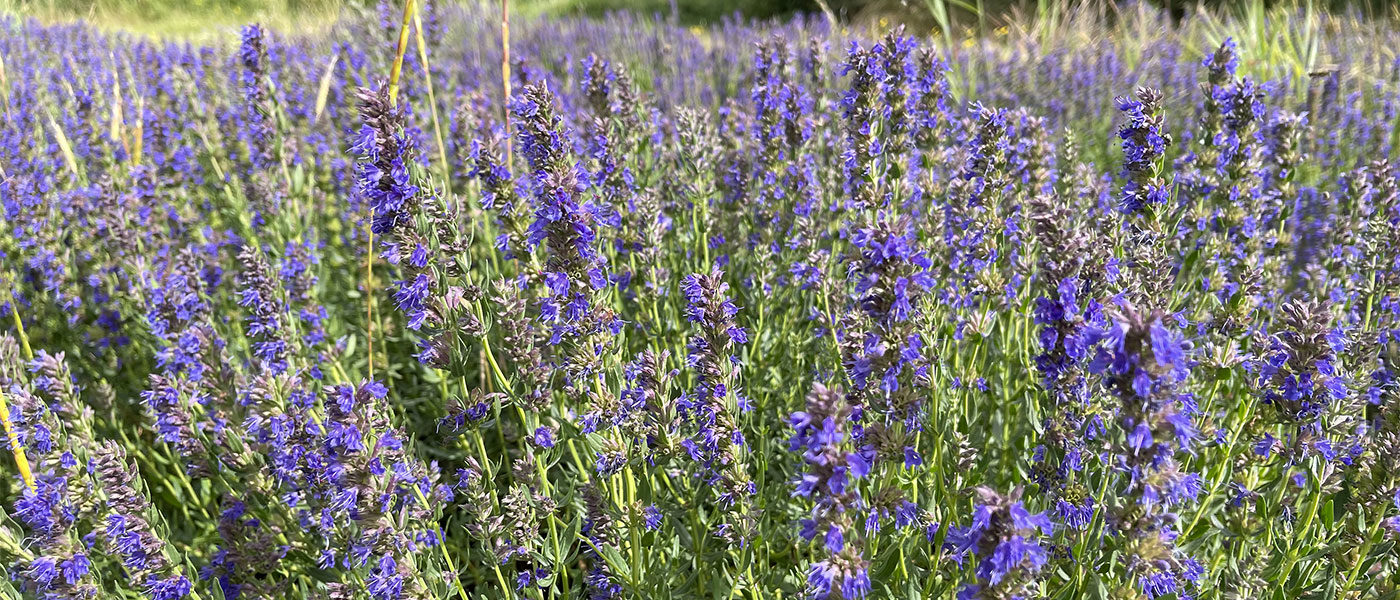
x=43 y=570
x=912 y=458
x=170 y=588
x=385 y=582
x=1004 y=535
x=652 y=517
x=544 y=437
x=1144 y=143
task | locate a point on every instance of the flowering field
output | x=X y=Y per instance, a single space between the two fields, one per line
x=751 y=311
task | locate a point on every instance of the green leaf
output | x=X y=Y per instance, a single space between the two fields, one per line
x=351 y=342
x=1100 y=588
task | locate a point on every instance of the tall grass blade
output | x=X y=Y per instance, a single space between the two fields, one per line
x=324 y=90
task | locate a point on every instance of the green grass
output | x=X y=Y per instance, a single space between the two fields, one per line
x=181 y=18
x=688 y=11
x=204 y=18
x=1262 y=25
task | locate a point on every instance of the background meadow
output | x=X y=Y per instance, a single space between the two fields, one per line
x=1071 y=302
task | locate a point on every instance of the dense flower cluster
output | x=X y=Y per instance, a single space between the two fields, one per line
x=1006 y=538
x=1144 y=363
x=822 y=435
x=754 y=310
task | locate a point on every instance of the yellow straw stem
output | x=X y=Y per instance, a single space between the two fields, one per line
x=19 y=327
x=505 y=72
x=138 y=137
x=399 y=52
x=432 y=103
x=4 y=86
x=21 y=462
x=369 y=222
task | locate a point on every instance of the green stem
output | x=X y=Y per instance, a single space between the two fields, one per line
x=19 y=327
x=1371 y=538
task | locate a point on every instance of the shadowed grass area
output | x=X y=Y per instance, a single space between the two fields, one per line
x=1256 y=22
x=199 y=18
x=686 y=11
x=181 y=18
